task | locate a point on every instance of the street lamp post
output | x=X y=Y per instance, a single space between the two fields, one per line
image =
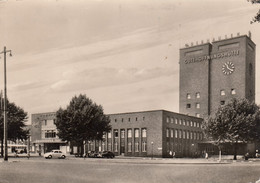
x=152 y=149
x=5 y=105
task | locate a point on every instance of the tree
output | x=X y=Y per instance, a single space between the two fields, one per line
x=256 y=18
x=16 y=118
x=81 y=121
x=236 y=122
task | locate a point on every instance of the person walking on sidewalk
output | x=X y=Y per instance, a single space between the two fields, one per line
x=206 y=155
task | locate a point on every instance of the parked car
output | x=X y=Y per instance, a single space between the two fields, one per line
x=107 y=154
x=56 y=153
x=93 y=154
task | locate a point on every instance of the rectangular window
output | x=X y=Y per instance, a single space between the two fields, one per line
x=180 y=122
x=222 y=102
x=191 y=123
x=195 y=124
x=122 y=133
x=109 y=135
x=180 y=134
x=188 y=96
x=188 y=135
x=122 y=120
x=136 y=146
x=129 y=119
x=184 y=122
x=108 y=147
x=167 y=119
x=191 y=135
x=171 y=133
x=197 y=105
x=50 y=134
x=144 y=146
x=222 y=92
x=129 y=146
x=116 y=133
x=172 y=120
x=176 y=134
x=167 y=132
x=115 y=120
x=184 y=134
x=188 y=106
x=197 y=115
x=188 y=123
x=198 y=95
x=129 y=133
x=144 y=132
x=103 y=146
x=195 y=135
x=116 y=147
x=198 y=124
x=233 y=91
x=176 y=121
x=136 y=133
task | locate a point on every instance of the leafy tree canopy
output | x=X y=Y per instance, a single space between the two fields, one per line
x=82 y=120
x=237 y=121
x=16 y=118
x=256 y=18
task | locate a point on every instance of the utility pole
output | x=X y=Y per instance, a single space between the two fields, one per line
x=5 y=106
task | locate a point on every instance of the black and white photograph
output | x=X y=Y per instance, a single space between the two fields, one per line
x=129 y=91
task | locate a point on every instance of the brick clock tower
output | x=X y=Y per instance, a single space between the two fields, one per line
x=213 y=73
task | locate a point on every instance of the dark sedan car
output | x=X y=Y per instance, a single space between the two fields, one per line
x=108 y=154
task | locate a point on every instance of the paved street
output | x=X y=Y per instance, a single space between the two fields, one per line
x=77 y=170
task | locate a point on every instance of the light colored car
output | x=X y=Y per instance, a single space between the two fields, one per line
x=56 y=153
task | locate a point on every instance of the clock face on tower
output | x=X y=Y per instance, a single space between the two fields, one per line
x=228 y=68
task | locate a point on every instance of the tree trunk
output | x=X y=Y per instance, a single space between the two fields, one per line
x=235 y=151
x=2 y=148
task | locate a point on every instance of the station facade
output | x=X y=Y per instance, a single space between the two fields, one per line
x=148 y=133
x=211 y=74
x=43 y=134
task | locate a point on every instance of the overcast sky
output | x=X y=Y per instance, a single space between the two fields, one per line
x=123 y=54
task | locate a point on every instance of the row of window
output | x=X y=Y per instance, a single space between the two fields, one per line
x=222 y=93
x=197 y=95
x=183 y=122
x=49 y=134
x=129 y=133
x=183 y=134
x=197 y=106
x=137 y=147
x=128 y=119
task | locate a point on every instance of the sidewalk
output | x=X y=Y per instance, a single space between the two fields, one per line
x=141 y=160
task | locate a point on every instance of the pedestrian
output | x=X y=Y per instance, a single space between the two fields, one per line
x=206 y=155
x=40 y=153
x=246 y=156
x=170 y=153
x=173 y=154
x=256 y=154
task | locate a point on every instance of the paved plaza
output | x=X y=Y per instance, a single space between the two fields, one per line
x=128 y=170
